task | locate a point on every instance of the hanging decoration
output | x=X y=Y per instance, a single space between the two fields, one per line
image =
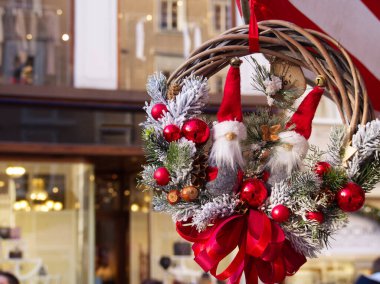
x=253 y=182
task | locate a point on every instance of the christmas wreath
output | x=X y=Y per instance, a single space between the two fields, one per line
x=253 y=181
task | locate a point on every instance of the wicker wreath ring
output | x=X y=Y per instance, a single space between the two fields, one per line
x=306 y=48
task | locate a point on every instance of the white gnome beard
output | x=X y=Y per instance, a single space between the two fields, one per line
x=226 y=153
x=286 y=159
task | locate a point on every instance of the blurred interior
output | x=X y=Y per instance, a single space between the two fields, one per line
x=70 y=147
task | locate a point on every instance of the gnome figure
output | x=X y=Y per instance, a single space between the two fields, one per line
x=287 y=157
x=226 y=159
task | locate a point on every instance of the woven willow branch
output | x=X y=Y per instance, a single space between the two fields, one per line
x=309 y=49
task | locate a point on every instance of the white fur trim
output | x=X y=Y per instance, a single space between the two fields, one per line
x=222 y=128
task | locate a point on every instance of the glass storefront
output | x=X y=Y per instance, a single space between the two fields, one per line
x=47 y=221
x=35 y=39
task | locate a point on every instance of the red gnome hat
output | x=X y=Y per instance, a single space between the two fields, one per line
x=230 y=108
x=303 y=117
x=229 y=130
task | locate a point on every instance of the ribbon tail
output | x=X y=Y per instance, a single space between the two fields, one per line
x=250 y=271
x=238 y=4
x=253 y=38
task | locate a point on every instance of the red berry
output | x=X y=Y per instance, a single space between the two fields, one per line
x=254 y=192
x=321 y=168
x=172 y=133
x=280 y=213
x=162 y=176
x=158 y=111
x=351 y=197
x=315 y=216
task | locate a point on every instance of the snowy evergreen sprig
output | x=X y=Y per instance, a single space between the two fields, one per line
x=367 y=141
x=220 y=207
x=156 y=87
x=189 y=102
x=335 y=147
x=182 y=211
x=178 y=161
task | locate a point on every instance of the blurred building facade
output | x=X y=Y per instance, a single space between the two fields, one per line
x=73 y=75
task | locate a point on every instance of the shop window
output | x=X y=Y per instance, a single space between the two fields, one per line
x=35 y=42
x=171 y=14
x=221 y=15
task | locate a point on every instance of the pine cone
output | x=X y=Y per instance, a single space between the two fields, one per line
x=198 y=173
x=173 y=91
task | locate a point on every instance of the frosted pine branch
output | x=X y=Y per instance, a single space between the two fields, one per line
x=367 y=141
x=156 y=87
x=179 y=212
x=220 y=207
x=334 y=152
x=189 y=102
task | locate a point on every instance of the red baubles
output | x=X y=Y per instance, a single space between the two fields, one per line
x=351 y=197
x=162 y=176
x=196 y=130
x=254 y=192
x=280 y=213
x=158 y=111
x=172 y=133
x=321 y=168
x=315 y=216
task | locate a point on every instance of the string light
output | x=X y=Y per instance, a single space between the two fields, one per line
x=149 y=17
x=15 y=171
x=59 y=12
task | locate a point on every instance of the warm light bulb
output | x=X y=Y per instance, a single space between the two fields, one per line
x=55 y=189
x=15 y=171
x=59 y=12
x=149 y=17
x=135 y=207
x=58 y=206
x=50 y=204
x=179 y=3
x=29 y=36
x=65 y=37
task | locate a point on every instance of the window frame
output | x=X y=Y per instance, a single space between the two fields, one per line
x=181 y=16
x=224 y=24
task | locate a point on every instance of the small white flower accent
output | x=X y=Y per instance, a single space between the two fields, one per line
x=272 y=85
x=270 y=100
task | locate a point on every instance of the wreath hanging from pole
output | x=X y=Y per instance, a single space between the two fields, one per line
x=253 y=181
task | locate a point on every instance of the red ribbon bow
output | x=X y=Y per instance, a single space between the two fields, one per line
x=253 y=36
x=263 y=250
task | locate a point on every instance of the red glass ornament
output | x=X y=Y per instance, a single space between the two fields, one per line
x=351 y=197
x=280 y=213
x=172 y=133
x=196 y=130
x=315 y=216
x=158 y=111
x=321 y=168
x=254 y=192
x=162 y=176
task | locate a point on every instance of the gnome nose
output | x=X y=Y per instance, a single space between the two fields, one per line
x=230 y=136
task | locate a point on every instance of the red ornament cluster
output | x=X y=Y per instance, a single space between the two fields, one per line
x=194 y=129
x=253 y=192
x=351 y=197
